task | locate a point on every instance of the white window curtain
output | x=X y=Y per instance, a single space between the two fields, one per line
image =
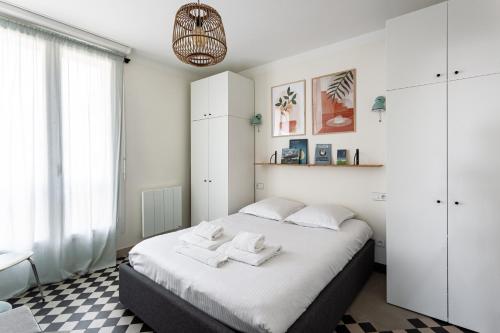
x=60 y=127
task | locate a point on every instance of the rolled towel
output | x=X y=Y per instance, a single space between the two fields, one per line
x=208 y=230
x=210 y=258
x=192 y=239
x=248 y=241
x=254 y=259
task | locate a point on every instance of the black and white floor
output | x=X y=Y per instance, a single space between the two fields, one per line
x=90 y=303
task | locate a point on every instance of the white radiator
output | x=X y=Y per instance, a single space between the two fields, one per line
x=161 y=210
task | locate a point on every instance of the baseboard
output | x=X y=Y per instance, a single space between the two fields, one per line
x=379 y=268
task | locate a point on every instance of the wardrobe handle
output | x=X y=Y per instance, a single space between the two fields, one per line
x=204 y=180
x=209 y=114
x=457 y=203
x=210 y=181
x=456 y=72
x=438 y=201
x=438 y=75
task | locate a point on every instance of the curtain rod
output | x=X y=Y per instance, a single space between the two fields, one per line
x=17 y=13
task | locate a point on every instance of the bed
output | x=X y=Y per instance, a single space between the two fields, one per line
x=307 y=287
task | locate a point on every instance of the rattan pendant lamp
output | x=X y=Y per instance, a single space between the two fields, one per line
x=199 y=37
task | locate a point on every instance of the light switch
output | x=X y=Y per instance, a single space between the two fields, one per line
x=259 y=186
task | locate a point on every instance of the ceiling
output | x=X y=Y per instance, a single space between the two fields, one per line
x=258 y=31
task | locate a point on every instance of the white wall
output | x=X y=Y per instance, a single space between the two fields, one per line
x=350 y=187
x=157 y=115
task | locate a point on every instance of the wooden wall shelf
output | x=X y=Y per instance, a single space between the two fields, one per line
x=323 y=165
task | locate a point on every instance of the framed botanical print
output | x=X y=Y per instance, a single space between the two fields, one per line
x=334 y=103
x=289 y=109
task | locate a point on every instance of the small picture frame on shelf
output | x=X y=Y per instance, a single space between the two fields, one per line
x=290 y=156
x=342 y=157
x=323 y=155
x=301 y=145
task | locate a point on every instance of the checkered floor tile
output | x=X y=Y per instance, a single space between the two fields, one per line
x=90 y=304
x=349 y=325
x=86 y=304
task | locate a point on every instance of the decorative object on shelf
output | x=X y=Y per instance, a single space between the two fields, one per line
x=361 y=166
x=356 y=157
x=199 y=38
x=323 y=154
x=301 y=145
x=275 y=156
x=290 y=156
x=379 y=106
x=341 y=156
x=334 y=103
x=289 y=109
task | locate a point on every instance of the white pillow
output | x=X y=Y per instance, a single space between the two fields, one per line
x=273 y=208
x=328 y=216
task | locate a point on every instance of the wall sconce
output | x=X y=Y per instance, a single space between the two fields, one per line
x=256 y=121
x=379 y=106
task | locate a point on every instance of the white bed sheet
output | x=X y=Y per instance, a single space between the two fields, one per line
x=268 y=298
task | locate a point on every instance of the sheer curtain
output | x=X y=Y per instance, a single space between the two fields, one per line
x=60 y=121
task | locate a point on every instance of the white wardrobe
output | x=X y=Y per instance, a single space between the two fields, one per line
x=222 y=146
x=443 y=217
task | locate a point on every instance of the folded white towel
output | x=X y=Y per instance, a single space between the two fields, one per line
x=208 y=230
x=254 y=259
x=191 y=238
x=210 y=258
x=248 y=241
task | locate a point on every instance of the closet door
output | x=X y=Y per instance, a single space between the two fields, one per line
x=474 y=38
x=416 y=48
x=474 y=206
x=416 y=210
x=219 y=90
x=199 y=99
x=218 y=168
x=199 y=171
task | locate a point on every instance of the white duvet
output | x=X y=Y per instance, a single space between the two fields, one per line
x=268 y=298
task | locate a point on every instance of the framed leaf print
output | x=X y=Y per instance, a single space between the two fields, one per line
x=288 y=109
x=334 y=103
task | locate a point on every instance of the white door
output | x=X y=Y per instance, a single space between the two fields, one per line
x=474 y=203
x=199 y=99
x=416 y=48
x=219 y=89
x=218 y=168
x=474 y=38
x=199 y=171
x=416 y=210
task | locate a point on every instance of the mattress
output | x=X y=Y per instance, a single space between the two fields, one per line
x=268 y=298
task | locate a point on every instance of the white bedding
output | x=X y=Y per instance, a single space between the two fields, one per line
x=268 y=298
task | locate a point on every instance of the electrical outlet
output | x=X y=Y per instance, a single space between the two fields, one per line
x=379 y=196
x=259 y=186
x=380 y=243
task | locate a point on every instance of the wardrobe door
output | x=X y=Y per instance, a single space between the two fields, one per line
x=199 y=99
x=416 y=48
x=474 y=38
x=199 y=171
x=474 y=206
x=416 y=207
x=218 y=168
x=219 y=90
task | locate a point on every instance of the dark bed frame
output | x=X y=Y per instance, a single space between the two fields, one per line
x=164 y=311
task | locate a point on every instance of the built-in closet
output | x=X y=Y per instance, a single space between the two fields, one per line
x=443 y=217
x=222 y=146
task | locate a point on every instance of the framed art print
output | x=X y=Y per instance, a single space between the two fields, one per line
x=334 y=103
x=289 y=109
